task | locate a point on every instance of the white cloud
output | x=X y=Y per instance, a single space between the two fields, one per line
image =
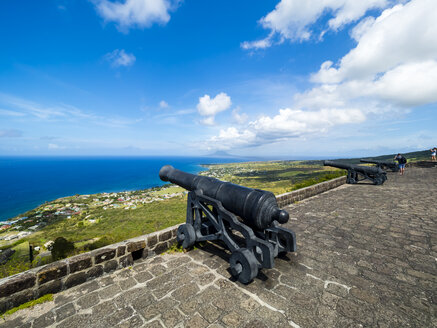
x=119 y=58
x=292 y=19
x=62 y=112
x=208 y=120
x=393 y=66
x=55 y=146
x=402 y=34
x=410 y=85
x=239 y=118
x=7 y=112
x=10 y=133
x=297 y=122
x=136 y=13
x=232 y=138
x=163 y=104
x=258 y=44
x=209 y=107
x=289 y=123
x=392 y=70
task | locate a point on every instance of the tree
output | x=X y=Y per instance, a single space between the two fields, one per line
x=61 y=248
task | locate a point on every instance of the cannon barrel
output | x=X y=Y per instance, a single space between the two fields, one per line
x=257 y=208
x=382 y=164
x=373 y=161
x=358 y=168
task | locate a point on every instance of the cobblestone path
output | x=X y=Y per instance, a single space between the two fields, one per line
x=367 y=258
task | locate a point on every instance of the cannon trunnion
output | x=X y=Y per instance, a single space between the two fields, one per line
x=246 y=220
x=356 y=173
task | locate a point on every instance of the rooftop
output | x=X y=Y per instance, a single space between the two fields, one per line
x=366 y=257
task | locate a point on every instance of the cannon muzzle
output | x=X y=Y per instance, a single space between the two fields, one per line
x=257 y=208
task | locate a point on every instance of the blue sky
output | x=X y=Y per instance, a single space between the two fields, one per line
x=263 y=78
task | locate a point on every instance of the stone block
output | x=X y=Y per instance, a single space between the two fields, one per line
x=146 y=253
x=51 y=272
x=121 y=250
x=134 y=246
x=151 y=241
x=103 y=255
x=87 y=301
x=65 y=311
x=164 y=236
x=95 y=271
x=110 y=266
x=126 y=261
x=22 y=297
x=161 y=247
x=5 y=304
x=16 y=284
x=44 y=320
x=51 y=287
x=75 y=279
x=79 y=263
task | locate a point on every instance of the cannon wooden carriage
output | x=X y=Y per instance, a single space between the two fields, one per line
x=356 y=173
x=246 y=220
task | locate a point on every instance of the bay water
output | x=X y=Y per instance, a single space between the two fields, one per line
x=27 y=182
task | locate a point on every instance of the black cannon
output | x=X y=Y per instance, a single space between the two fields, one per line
x=246 y=220
x=382 y=164
x=374 y=174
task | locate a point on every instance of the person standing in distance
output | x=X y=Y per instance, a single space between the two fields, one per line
x=433 y=153
x=402 y=161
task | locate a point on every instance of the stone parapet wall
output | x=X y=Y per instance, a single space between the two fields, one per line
x=297 y=195
x=57 y=276
x=54 y=277
x=422 y=164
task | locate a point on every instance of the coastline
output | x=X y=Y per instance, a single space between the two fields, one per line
x=31 y=182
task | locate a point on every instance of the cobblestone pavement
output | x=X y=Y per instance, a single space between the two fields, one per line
x=367 y=258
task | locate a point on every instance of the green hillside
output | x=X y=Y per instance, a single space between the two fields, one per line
x=93 y=221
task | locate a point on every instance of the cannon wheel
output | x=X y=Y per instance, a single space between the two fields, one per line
x=379 y=181
x=186 y=235
x=244 y=265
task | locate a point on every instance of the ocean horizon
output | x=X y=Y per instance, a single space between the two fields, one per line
x=27 y=182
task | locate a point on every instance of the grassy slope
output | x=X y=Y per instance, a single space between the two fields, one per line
x=276 y=176
x=114 y=225
x=424 y=155
x=117 y=224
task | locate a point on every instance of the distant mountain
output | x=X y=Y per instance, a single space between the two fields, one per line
x=222 y=154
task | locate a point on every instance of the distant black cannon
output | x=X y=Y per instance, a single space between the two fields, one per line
x=382 y=164
x=374 y=174
x=218 y=210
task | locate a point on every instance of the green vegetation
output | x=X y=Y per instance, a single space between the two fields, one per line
x=18 y=262
x=424 y=155
x=275 y=176
x=170 y=190
x=43 y=299
x=94 y=221
x=61 y=248
x=321 y=178
x=116 y=224
x=175 y=248
x=14 y=266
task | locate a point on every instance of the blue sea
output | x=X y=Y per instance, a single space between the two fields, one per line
x=27 y=182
